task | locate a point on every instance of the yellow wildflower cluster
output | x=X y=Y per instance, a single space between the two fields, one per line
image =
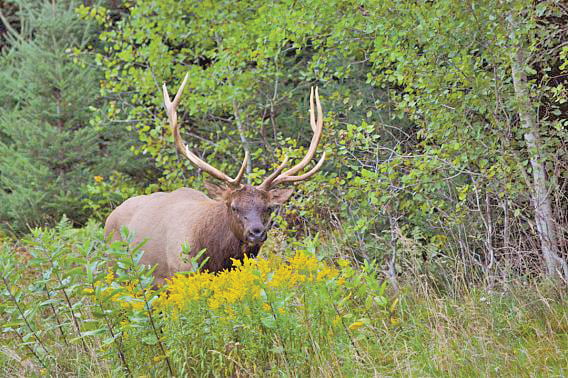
x=128 y=295
x=249 y=280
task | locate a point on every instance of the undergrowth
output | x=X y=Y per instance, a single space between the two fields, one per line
x=74 y=305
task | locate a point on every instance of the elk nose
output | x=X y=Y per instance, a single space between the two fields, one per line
x=257 y=234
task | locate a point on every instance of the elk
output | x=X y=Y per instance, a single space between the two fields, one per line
x=233 y=223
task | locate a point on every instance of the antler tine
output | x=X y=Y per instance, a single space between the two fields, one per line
x=317 y=127
x=171 y=109
x=285 y=178
x=267 y=183
x=240 y=175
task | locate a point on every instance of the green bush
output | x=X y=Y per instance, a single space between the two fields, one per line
x=72 y=293
x=422 y=128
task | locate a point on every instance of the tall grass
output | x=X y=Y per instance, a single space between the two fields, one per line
x=67 y=310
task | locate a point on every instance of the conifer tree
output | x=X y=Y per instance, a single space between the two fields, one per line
x=48 y=149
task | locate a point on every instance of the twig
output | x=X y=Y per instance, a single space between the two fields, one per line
x=69 y=304
x=59 y=325
x=151 y=318
x=8 y=26
x=109 y=326
x=22 y=314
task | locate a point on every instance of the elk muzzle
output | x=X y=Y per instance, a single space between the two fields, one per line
x=256 y=233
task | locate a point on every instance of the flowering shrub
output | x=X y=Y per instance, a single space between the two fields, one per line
x=251 y=281
x=269 y=315
x=273 y=310
x=266 y=309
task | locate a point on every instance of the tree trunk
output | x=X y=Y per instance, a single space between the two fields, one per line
x=544 y=217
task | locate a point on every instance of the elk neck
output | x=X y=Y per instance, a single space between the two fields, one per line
x=223 y=237
x=238 y=231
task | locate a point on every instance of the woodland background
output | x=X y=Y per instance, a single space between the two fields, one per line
x=445 y=125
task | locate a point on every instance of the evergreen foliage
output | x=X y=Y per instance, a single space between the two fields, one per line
x=49 y=149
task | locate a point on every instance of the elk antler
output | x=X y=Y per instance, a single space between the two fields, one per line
x=182 y=146
x=317 y=127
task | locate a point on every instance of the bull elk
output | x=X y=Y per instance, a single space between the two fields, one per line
x=233 y=224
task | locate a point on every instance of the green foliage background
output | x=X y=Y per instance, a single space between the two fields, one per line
x=422 y=129
x=427 y=165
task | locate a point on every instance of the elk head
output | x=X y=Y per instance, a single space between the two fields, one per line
x=249 y=207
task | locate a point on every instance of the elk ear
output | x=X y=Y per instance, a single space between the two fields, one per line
x=279 y=196
x=214 y=191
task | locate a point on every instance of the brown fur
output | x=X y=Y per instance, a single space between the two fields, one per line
x=221 y=226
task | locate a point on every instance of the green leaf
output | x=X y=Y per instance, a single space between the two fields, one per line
x=150 y=339
x=94 y=332
x=268 y=321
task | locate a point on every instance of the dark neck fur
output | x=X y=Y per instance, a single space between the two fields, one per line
x=217 y=235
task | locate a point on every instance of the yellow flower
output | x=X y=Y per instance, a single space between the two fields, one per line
x=281 y=310
x=394 y=321
x=393 y=305
x=230 y=313
x=244 y=284
x=98 y=178
x=326 y=273
x=88 y=291
x=302 y=261
x=214 y=303
x=343 y=263
x=159 y=358
x=341 y=281
x=135 y=305
x=282 y=277
x=109 y=277
x=356 y=325
x=336 y=320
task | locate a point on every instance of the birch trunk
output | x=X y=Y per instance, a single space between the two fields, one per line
x=544 y=217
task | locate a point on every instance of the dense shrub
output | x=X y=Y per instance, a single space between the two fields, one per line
x=423 y=132
x=261 y=317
